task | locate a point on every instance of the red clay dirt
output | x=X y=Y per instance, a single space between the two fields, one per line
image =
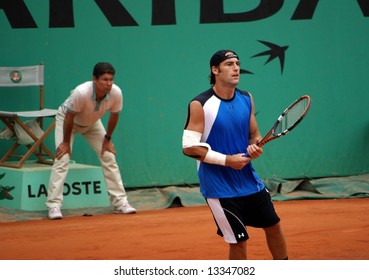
x=333 y=229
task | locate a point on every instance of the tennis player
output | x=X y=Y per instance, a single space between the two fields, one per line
x=220 y=128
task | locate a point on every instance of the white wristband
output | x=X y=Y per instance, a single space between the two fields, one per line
x=215 y=158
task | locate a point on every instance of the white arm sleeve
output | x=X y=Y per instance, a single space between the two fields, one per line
x=192 y=138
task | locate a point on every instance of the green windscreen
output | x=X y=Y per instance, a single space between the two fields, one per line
x=161 y=52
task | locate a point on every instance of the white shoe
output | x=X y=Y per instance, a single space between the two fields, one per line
x=124 y=209
x=55 y=213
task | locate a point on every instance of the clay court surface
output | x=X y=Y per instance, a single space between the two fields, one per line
x=327 y=229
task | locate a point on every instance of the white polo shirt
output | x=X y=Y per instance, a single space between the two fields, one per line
x=82 y=102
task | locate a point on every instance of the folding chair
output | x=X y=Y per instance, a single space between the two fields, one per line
x=26 y=127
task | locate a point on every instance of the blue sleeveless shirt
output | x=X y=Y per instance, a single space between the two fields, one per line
x=226 y=130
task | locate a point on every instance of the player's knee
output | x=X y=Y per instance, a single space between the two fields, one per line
x=274 y=229
x=63 y=161
x=108 y=157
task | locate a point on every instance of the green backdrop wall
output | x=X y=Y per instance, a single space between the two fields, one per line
x=161 y=51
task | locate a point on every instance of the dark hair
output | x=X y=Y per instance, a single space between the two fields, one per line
x=103 y=68
x=212 y=78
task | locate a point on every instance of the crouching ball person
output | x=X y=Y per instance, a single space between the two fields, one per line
x=220 y=128
x=81 y=113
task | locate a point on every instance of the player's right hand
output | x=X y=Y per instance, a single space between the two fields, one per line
x=64 y=148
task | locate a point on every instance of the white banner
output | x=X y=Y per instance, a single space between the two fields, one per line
x=186 y=270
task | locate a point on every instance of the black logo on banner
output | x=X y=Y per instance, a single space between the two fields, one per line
x=75 y=188
x=274 y=51
x=61 y=13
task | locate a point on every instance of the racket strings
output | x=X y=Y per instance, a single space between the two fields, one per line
x=291 y=116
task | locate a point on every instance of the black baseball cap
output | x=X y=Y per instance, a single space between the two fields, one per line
x=220 y=56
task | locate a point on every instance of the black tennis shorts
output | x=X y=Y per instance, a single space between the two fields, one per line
x=232 y=215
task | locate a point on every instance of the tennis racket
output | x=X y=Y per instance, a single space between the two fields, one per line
x=288 y=120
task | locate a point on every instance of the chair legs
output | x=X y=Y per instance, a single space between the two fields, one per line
x=38 y=149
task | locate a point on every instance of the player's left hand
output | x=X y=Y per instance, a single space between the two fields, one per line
x=254 y=151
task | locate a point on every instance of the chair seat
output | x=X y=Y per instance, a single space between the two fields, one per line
x=30 y=114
